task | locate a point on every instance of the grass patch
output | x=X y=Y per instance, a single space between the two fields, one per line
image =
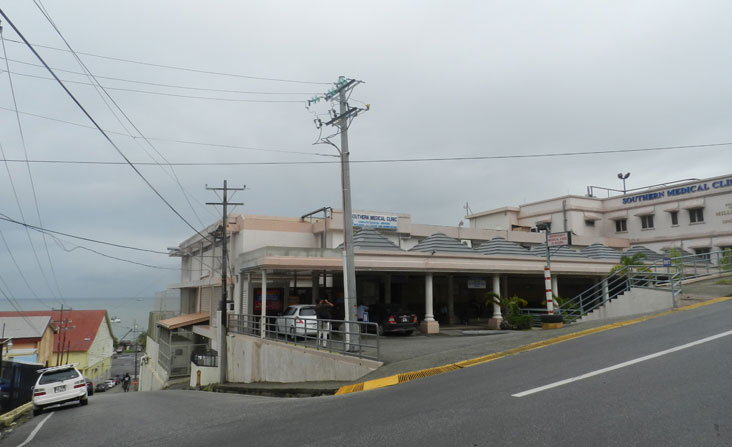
x=724 y=282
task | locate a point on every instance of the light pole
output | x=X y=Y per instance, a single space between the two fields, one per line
x=623 y=177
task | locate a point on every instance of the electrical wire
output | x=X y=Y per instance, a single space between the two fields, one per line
x=96 y=241
x=33 y=186
x=170 y=140
x=156 y=84
x=106 y=136
x=391 y=160
x=172 y=67
x=97 y=86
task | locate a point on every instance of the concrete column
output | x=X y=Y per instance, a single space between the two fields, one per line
x=555 y=285
x=263 y=315
x=236 y=297
x=605 y=291
x=429 y=325
x=497 y=318
x=315 y=281
x=387 y=288
x=451 y=318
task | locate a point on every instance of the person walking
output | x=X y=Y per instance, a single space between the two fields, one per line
x=126 y=382
x=324 y=315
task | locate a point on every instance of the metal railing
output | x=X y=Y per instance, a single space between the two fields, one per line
x=660 y=274
x=206 y=358
x=356 y=338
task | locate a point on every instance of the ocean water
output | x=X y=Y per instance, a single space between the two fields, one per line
x=130 y=311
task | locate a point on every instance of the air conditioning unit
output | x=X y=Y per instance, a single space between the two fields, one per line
x=467 y=242
x=534 y=230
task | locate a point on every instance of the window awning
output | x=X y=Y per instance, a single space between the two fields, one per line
x=184 y=320
x=617 y=215
x=694 y=203
x=592 y=216
x=645 y=211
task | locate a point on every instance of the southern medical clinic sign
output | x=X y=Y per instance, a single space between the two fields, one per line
x=673 y=192
x=377 y=221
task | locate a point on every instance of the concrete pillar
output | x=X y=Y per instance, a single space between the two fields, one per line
x=555 y=285
x=605 y=291
x=387 y=288
x=451 y=317
x=236 y=297
x=497 y=318
x=429 y=325
x=315 y=281
x=263 y=315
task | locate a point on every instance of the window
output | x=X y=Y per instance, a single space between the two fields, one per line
x=621 y=225
x=703 y=252
x=674 y=217
x=647 y=222
x=590 y=223
x=696 y=215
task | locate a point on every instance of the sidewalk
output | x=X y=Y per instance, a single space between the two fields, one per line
x=402 y=354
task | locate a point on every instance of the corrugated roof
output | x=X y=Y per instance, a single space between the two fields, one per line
x=184 y=320
x=19 y=327
x=558 y=252
x=650 y=255
x=600 y=251
x=440 y=243
x=82 y=325
x=500 y=246
x=369 y=239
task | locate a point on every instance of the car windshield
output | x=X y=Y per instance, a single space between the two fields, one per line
x=291 y=311
x=307 y=311
x=58 y=376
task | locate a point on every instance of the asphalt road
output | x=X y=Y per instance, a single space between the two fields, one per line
x=678 y=398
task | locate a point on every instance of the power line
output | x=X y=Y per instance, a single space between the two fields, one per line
x=172 y=67
x=170 y=140
x=32 y=183
x=387 y=160
x=106 y=136
x=96 y=241
x=155 y=84
x=177 y=95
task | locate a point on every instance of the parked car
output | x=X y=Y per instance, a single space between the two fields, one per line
x=298 y=321
x=102 y=387
x=110 y=383
x=89 y=387
x=58 y=385
x=392 y=318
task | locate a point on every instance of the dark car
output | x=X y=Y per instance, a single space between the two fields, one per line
x=392 y=318
x=89 y=387
x=102 y=387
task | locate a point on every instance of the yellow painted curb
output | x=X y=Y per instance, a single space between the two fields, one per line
x=413 y=375
x=10 y=417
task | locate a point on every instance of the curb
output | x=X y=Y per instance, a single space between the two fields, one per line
x=8 y=418
x=274 y=392
x=413 y=375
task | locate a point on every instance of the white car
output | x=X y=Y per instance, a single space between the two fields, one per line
x=110 y=383
x=298 y=321
x=58 y=385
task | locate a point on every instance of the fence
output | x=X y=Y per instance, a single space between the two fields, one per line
x=178 y=349
x=16 y=382
x=357 y=339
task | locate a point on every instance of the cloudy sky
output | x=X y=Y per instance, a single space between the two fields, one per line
x=444 y=79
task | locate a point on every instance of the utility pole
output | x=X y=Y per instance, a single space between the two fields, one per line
x=134 y=334
x=224 y=282
x=63 y=327
x=341 y=120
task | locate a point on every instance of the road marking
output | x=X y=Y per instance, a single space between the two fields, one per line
x=620 y=365
x=35 y=430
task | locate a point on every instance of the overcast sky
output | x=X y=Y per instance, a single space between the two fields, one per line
x=444 y=79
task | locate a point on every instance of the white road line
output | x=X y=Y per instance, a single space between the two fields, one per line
x=620 y=365
x=35 y=430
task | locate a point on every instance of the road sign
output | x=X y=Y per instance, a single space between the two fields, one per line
x=559 y=239
x=667 y=262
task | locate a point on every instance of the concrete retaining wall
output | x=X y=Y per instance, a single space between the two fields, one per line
x=152 y=376
x=209 y=374
x=252 y=359
x=633 y=302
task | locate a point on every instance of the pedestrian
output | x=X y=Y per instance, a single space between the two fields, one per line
x=324 y=314
x=126 y=382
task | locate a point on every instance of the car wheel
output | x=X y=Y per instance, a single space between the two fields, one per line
x=84 y=401
x=37 y=411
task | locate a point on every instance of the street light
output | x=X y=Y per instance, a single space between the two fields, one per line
x=623 y=177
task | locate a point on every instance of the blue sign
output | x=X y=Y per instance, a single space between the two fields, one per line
x=673 y=192
x=667 y=262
